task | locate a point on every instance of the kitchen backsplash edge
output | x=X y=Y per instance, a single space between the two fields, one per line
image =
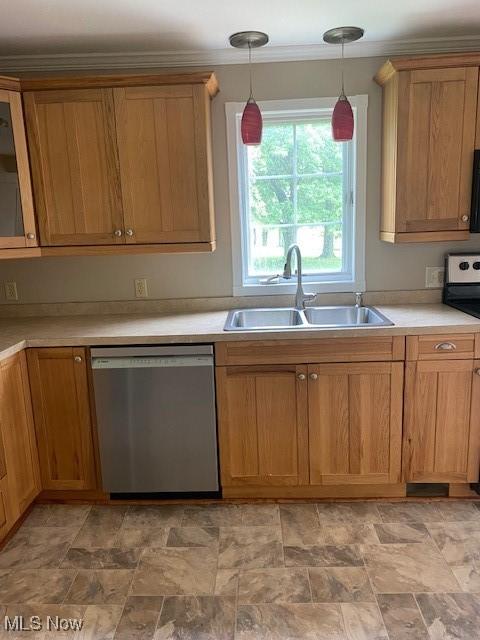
x=192 y=305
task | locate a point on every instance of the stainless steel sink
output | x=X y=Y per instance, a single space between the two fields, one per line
x=312 y=317
x=245 y=319
x=345 y=316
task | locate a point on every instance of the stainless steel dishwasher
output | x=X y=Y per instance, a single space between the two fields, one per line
x=156 y=418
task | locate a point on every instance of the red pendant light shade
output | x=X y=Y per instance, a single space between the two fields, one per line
x=252 y=122
x=342 y=120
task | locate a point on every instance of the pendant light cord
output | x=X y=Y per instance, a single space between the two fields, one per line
x=343 y=67
x=250 y=69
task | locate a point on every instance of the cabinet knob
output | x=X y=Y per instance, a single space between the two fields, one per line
x=30 y=236
x=465 y=218
x=118 y=233
x=313 y=376
x=477 y=371
x=77 y=358
x=129 y=232
x=301 y=376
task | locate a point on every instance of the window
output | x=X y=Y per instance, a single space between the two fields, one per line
x=298 y=186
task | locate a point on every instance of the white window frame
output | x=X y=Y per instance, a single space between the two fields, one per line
x=355 y=204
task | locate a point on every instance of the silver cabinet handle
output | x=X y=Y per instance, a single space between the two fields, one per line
x=118 y=233
x=445 y=346
x=464 y=218
x=313 y=376
x=78 y=358
x=301 y=376
x=477 y=371
x=129 y=232
x=30 y=236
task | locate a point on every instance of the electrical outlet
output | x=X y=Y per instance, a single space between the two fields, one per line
x=434 y=277
x=141 y=288
x=11 y=292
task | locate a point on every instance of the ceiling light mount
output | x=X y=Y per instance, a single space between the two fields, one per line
x=248 y=39
x=343 y=35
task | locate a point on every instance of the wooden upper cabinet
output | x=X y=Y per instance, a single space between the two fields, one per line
x=18 y=435
x=429 y=120
x=262 y=425
x=165 y=159
x=355 y=423
x=17 y=219
x=61 y=407
x=122 y=160
x=75 y=166
x=442 y=421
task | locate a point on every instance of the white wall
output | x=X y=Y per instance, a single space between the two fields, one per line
x=111 y=278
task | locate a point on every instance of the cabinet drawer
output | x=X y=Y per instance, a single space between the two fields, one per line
x=443 y=347
x=375 y=348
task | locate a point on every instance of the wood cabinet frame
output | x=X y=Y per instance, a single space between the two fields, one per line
x=10 y=93
x=120 y=232
x=404 y=180
x=441 y=442
x=371 y=358
x=19 y=472
x=228 y=436
x=78 y=452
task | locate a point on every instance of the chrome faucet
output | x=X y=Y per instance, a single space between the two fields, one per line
x=300 y=297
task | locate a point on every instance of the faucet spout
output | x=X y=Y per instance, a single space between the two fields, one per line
x=300 y=297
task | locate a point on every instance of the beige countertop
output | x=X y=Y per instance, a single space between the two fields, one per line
x=19 y=333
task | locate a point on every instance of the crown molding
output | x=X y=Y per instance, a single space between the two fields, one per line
x=290 y=53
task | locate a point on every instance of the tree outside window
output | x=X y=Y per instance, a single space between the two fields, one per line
x=296 y=194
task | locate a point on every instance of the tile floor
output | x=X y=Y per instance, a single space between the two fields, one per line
x=336 y=571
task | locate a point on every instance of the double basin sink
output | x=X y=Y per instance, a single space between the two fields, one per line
x=311 y=317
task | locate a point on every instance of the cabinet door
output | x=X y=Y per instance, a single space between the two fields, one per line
x=17 y=221
x=355 y=422
x=71 y=137
x=6 y=519
x=442 y=421
x=165 y=160
x=61 y=409
x=436 y=137
x=18 y=435
x=262 y=425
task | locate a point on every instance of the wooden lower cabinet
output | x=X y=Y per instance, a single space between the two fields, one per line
x=442 y=421
x=355 y=422
x=263 y=431
x=19 y=477
x=61 y=406
x=300 y=425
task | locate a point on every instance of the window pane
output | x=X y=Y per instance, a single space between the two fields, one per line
x=274 y=157
x=317 y=152
x=295 y=195
x=267 y=248
x=321 y=247
x=321 y=200
x=271 y=201
x=270 y=224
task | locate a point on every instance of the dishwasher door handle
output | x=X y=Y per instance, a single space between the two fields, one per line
x=144 y=362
